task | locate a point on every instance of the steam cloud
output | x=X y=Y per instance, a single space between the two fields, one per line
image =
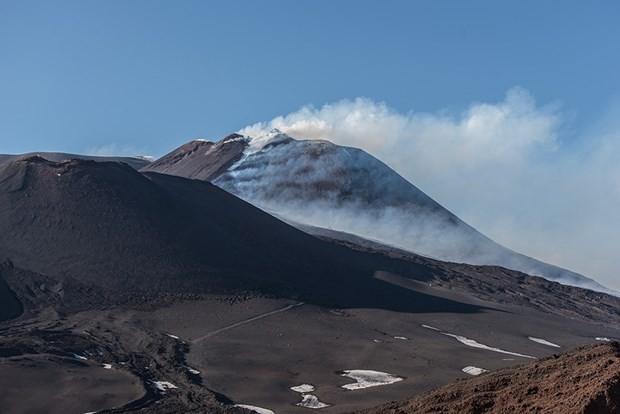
x=511 y=169
x=117 y=150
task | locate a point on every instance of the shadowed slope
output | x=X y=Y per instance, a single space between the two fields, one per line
x=107 y=225
x=10 y=307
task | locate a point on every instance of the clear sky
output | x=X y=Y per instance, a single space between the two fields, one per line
x=143 y=77
x=151 y=74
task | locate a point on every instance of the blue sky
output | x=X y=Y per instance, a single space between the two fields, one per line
x=150 y=75
x=507 y=112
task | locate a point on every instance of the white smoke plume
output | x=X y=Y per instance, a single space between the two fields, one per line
x=511 y=169
x=116 y=150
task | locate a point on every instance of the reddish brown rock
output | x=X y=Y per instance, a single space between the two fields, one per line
x=582 y=381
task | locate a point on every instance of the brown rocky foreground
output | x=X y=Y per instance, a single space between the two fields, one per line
x=585 y=380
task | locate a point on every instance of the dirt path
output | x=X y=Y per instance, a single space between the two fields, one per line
x=252 y=319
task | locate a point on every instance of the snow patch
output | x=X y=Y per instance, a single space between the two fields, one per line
x=173 y=336
x=226 y=141
x=311 y=401
x=258 y=410
x=303 y=388
x=603 y=338
x=403 y=338
x=256 y=144
x=474 y=344
x=107 y=366
x=80 y=357
x=191 y=370
x=368 y=378
x=543 y=342
x=162 y=386
x=471 y=370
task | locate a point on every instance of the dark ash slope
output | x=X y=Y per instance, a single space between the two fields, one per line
x=105 y=223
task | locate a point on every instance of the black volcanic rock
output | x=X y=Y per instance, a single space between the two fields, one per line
x=316 y=184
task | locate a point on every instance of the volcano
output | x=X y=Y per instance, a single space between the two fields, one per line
x=326 y=189
x=105 y=224
x=157 y=293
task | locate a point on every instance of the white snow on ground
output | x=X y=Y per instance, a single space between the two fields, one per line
x=404 y=338
x=308 y=400
x=474 y=344
x=311 y=401
x=173 y=336
x=107 y=366
x=377 y=341
x=368 y=378
x=191 y=370
x=83 y=358
x=163 y=385
x=543 y=342
x=258 y=410
x=471 y=370
x=603 y=338
x=303 y=388
x=256 y=144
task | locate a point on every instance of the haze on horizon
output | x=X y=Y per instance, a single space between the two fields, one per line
x=506 y=114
